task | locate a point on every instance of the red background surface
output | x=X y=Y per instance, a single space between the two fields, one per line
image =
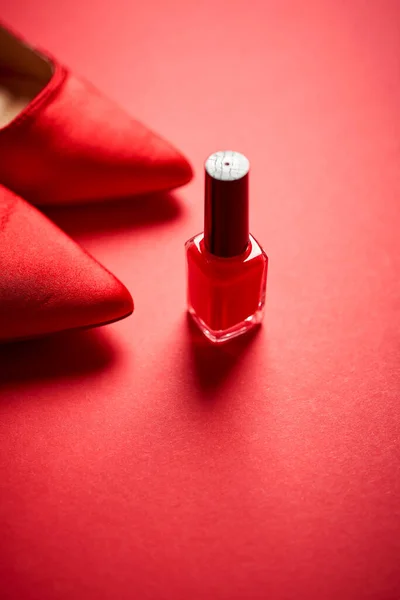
x=135 y=462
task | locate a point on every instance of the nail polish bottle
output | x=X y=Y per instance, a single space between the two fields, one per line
x=227 y=268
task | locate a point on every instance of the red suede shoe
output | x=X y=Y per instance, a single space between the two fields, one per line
x=62 y=142
x=47 y=282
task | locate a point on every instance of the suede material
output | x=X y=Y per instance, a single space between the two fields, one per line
x=72 y=145
x=47 y=282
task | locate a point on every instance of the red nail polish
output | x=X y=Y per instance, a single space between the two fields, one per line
x=227 y=268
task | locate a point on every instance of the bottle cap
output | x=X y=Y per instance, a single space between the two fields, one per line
x=226 y=207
